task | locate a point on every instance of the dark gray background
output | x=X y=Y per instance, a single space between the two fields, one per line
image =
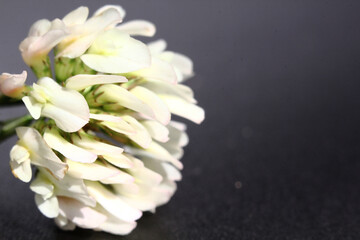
x=280 y=84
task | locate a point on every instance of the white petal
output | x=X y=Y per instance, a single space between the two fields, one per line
x=39 y=28
x=114 y=225
x=184 y=109
x=80 y=214
x=156 y=152
x=161 y=111
x=10 y=84
x=42 y=186
x=48 y=207
x=40 y=153
x=157 y=131
x=157 y=47
x=138 y=28
x=167 y=170
x=179 y=61
x=19 y=154
x=78 y=16
x=114 y=93
x=97 y=147
x=116 y=52
x=21 y=170
x=77 y=154
x=63 y=223
x=118 y=160
x=158 y=71
x=82 y=81
x=141 y=136
x=112 y=203
x=162 y=88
x=67 y=107
x=118 y=8
x=70 y=187
x=33 y=106
x=91 y=171
x=66 y=121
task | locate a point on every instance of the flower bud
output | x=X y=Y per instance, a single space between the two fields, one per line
x=12 y=85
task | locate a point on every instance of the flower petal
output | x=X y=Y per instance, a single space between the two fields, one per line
x=158 y=71
x=82 y=81
x=78 y=16
x=112 y=203
x=11 y=84
x=161 y=111
x=40 y=153
x=121 y=96
x=32 y=106
x=53 y=138
x=80 y=214
x=157 y=47
x=22 y=170
x=42 y=186
x=127 y=55
x=138 y=28
x=157 y=131
x=184 y=109
x=90 y=171
x=48 y=207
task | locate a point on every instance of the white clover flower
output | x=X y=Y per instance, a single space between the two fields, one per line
x=104 y=143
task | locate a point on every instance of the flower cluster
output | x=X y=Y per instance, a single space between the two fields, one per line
x=103 y=143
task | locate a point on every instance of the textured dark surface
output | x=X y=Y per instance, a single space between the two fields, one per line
x=280 y=84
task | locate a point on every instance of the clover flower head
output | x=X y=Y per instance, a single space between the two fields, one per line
x=100 y=130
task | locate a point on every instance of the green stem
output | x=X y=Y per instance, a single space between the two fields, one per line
x=7 y=128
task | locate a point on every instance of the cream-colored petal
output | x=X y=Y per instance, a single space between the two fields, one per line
x=48 y=207
x=63 y=223
x=33 y=106
x=91 y=171
x=112 y=203
x=77 y=16
x=10 y=84
x=159 y=108
x=42 y=186
x=184 y=109
x=80 y=214
x=22 y=170
x=141 y=135
x=179 y=90
x=39 y=28
x=158 y=71
x=19 y=154
x=183 y=63
x=157 y=47
x=40 y=152
x=156 y=152
x=121 y=96
x=65 y=120
x=105 y=8
x=156 y=130
x=116 y=52
x=70 y=187
x=138 y=28
x=113 y=224
x=82 y=81
x=53 y=138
